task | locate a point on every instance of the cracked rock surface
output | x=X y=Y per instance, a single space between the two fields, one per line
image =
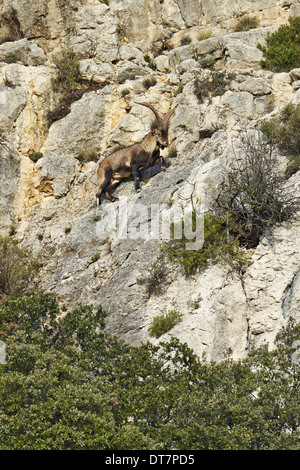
x=51 y=203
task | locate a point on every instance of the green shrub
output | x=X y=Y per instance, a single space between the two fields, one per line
x=156 y=278
x=87 y=154
x=35 y=156
x=163 y=323
x=69 y=385
x=253 y=193
x=218 y=91
x=13 y=58
x=284 y=132
x=150 y=62
x=215 y=85
x=204 y=34
x=218 y=246
x=246 y=23
x=185 y=40
x=282 y=50
x=69 y=86
x=179 y=89
x=68 y=74
x=95 y=257
x=125 y=92
x=195 y=303
x=207 y=61
x=149 y=82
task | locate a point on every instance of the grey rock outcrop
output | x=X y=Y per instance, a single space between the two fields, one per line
x=133 y=51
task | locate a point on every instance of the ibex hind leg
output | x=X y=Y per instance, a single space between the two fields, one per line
x=115 y=181
x=104 y=177
x=110 y=196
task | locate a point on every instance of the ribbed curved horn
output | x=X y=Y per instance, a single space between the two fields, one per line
x=157 y=115
x=166 y=119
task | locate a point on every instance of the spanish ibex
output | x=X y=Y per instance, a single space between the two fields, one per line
x=130 y=160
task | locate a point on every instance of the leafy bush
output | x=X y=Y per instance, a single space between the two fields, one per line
x=149 y=82
x=219 y=246
x=95 y=257
x=207 y=61
x=68 y=385
x=179 y=89
x=215 y=85
x=13 y=58
x=282 y=50
x=185 y=40
x=163 y=323
x=68 y=76
x=35 y=156
x=156 y=278
x=69 y=86
x=284 y=132
x=246 y=23
x=125 y=92
x=204 y=34
x=17 y=269
x=150 y=62
x=87 y=154
x=253 y=194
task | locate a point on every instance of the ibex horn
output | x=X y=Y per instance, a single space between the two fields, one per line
x=162 y=122
x=157 y=115
x=166 y=119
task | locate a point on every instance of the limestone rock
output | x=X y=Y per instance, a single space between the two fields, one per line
x=282 y=89
x=26 y=94
x=82 y=127
x=9 y=178
x=22 y=51
x=51 y=204
x=256 y=86
x=60 y=170
x=96 y=33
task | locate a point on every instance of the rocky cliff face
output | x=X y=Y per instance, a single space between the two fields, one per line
x=132 y=51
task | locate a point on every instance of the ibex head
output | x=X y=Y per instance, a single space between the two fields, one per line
x=161 y=131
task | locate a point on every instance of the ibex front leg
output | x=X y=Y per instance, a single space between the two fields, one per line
x=136 y=177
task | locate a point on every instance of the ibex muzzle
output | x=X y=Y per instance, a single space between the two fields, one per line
x=130 y=160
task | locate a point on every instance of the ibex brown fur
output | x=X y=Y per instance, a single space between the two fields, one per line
x=130 y=160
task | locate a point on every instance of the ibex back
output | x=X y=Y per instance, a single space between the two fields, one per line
x=130 y=160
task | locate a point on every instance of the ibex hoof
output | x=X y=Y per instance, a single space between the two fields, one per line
x=139 y=190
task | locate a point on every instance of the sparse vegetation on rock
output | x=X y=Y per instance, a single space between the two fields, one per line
x=245 y=23
x=284 y=132
x=163 y=323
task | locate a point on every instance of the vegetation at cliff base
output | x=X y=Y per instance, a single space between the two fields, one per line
x=17 y=269
x=66 y=384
